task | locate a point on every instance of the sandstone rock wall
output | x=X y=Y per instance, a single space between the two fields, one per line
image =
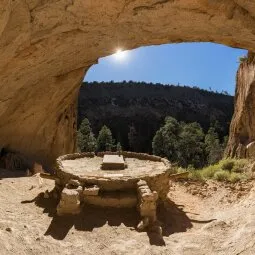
x=47 y=45
x=242 y=129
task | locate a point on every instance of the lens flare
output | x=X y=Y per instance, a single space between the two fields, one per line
x=120 y=55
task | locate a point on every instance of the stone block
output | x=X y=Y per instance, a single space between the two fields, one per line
x=141 y=183
x=91 y=191
x=113 y=162
x=74 y=183
x=69 y=202
x=147 y=201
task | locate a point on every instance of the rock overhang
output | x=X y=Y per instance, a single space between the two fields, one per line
x=47 y=47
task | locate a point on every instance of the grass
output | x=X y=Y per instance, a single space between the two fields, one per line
x=229 y=170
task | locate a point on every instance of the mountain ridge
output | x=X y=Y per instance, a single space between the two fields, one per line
x=120 y=105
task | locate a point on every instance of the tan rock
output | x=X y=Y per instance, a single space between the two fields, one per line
x=91 y=191
x=69 y=202
x=74 y=183
x=242 y=130
x=46 y=47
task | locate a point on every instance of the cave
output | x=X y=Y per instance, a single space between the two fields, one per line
x=46 y=47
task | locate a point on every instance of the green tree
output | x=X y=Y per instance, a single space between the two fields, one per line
x=225 y=142
x=79 y=139
x=85 y=138
x=180 y=142
x=166 y=140
x=191 y=148
x=212 y=146
x=104 y=140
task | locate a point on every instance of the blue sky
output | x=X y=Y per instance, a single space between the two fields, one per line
x=196 y=64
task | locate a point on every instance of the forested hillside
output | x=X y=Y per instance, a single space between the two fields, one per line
x=139 y=109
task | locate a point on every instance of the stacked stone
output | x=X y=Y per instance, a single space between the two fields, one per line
x=147 y=205
x=70 y=200
x=91 y=191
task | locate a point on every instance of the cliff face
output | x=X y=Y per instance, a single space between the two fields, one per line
x=242 y=129
x=47 y=46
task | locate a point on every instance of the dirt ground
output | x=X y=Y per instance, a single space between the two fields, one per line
x=199 y=219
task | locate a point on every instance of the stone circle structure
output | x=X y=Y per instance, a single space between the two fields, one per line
x=46 y=47
x=80 y=180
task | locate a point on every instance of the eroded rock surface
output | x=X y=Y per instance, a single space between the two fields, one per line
x=242 y=129
x=47 y=46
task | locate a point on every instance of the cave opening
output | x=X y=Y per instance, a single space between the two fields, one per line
x=136 y=90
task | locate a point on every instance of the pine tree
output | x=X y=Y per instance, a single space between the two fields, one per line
x=191 y=146
x=85 y=137
x=104 y=140
x=213 y=146
x=165 y=142
x=79 y=139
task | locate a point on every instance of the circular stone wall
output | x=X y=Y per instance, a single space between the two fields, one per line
x=86 y=167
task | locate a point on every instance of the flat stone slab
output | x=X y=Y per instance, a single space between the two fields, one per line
x=113 y=162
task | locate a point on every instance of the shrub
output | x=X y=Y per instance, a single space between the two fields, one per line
x=240 y=166
x=227 y=164
x=196 y=175
x=242 y=59
x=209 y=171
x=222 y=175
x=231 y=170
x=234 y=177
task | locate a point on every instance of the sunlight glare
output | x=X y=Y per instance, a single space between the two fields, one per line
x=120 y=55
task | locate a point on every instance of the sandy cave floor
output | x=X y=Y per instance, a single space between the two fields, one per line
x=213 y=222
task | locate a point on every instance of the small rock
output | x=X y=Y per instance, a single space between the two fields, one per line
x=32 y=187
x=238 y=188
x=8 y=229
x=194 y=192
x=239 y=195
x=186 y=184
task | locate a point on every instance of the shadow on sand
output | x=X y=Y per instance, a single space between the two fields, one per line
x=172 y=219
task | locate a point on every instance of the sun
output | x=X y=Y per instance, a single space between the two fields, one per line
x=120 y=55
